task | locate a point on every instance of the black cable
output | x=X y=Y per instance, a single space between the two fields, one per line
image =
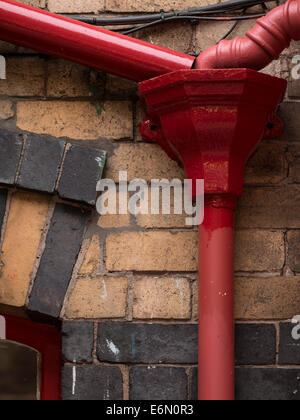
x=225 y=7
x=229 y=32
x=193 y=18
x=233 y=27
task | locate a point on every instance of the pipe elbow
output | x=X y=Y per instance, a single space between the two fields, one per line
x=262 y=44
x=238 y=53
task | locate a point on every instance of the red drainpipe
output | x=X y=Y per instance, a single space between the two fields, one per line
x=208 y=120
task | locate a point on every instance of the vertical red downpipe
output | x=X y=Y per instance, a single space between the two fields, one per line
x=216 y=301
x=210 y=121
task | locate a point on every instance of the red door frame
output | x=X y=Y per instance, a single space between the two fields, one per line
x=47 y=341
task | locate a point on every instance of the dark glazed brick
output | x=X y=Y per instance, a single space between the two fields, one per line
x=194 y=390
x=261 y=384
x=267 y=384
x=289 y=348
x=3 y=197
x=94 y=383
x=11 y=145
x=56 y=266
x=147 y=343
x=78 y=341
x=158 y=383
x=40 y=165
x=81 y=171
x=255 y=344
x=293 y=238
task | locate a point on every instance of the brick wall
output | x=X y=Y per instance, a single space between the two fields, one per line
x=130 y=310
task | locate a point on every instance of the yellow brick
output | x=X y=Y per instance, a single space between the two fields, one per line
x=6 y=110
x=139 y=118
x=268 y=165
x=259 y=251
x=195 y=301
x=152 y=251
x=76 y=6
x=34 y=3
x=67 y=80
x=110 y=221
x=271 y=298
x=24 y=77
x=209 y=33
x=176 y=36
x=92 y=257
x=25 y=224
x=144 y=161
x=77 y=120
x=162 y=220
x=118 y=86
x=6 y=48
x=262 y=298
x=101 y=297
x=162 y=298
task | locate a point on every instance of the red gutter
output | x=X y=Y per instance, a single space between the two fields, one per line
x=87 y=45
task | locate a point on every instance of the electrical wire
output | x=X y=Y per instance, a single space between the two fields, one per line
x=215 y=12
x=229 y=6
x=235 y=25
x=237 y=19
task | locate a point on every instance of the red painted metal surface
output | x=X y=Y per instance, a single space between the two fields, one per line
x=216 y=300
x=85 y=44
x=46 y=340
x=262 y=44
x=210 y=121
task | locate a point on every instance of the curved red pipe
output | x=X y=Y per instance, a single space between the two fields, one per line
x=262 y=44
x=87 y=45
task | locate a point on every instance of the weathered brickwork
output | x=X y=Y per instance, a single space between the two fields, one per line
x=125 y=286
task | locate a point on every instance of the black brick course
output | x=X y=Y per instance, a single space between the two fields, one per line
x=158 y=383
x=194 y=390
x=289 y=348
x=41 y=162
x=258 y=384
x=82 y=169
x=255 y=344
x=78 y=341
x=3 y=197
x=62 y=247
x=262 y=384
x=11 y=145
x=177 y=343
x=92 y=383
x=147 y=343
